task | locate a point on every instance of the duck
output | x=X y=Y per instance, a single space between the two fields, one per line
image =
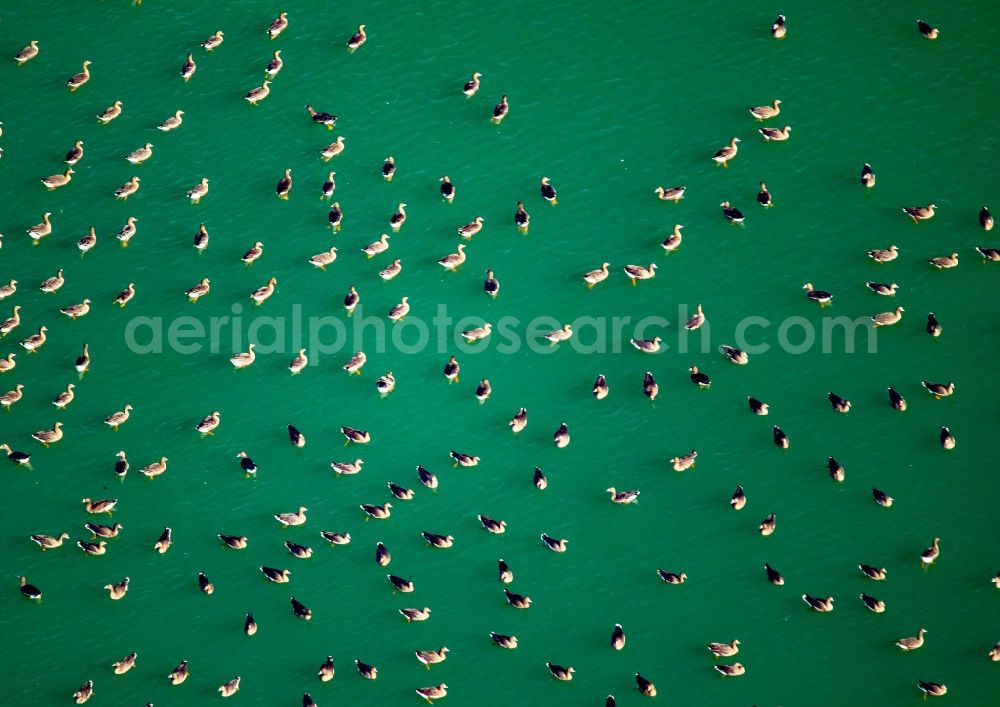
x=838 y=403
x=296 y=438
x=554 y=544
x=947 y=438
x=118 y=590
x=735 y=355
x=875 y=605
x=8 y=290
x=427 y=478
x=731 y=213
x=13 y=396
x=382 y=557
x=939 y=390
x=774 y=576
x=779 y=437
x=357 y=39
x=519 y=421
x=10 y=324
x=155 y=468
x=919 y=213
x=818 y=603
x=638 y=272
x=560 y=672
x=198 y=191
x=263 y=293
x=696 y=320
x=55 y=181
x=492 y=525
x=389 y=168
x=945 y=262
x=47 y=437
x=31 y=344
x=274 y=65
x=491 y=285
x=988 y=253
x=321 y=118
x=504 y=573
x=85 y=692
x=765 y=112
x=673 y=241
x=369 y=672
x=347 y=468
x=466 y=460
x=172 y=123
x=926 y=30
x=935 y=689
x=28 y=53
x=484 y=390
x=768 y=525
x=624 y=497
x=258 y=93
x=53 y=283
x=293 y=518
x=985 y=219
x=326 y=671
x=930 y=555
x=213 y=41
x=188 y=68
x=321 y=260
x=377 y=512
x=41 y=230
x=685 y=462
x=77 y=80
x=284 y=186
x=140 y=155
x=127 y=189
x=618 y=637
x=503 y=640
x=477 y=333
x=896 y=400
x=103 y=506
x=471 y=86
x=128 y=230
x=835 y=469
x=29 y=591
x=867 y=176
x=562 y=334
x=200 y=240
x=416 y=614
x=672 y=577
x=561 y=437
x=333 y=149
x=249 y=625
x=236 y=542
x=165 y=540
x=724 y=650
x=272 y=574
x=230 y=688
x=209 y=423
x=253 y=253
x=821 y=296
x=439 y=541
x=335 y=217
x=433 y=692
x=447 y=189
x=500 y=110
x=739 y=499
x=63 y=399
x=518 y=601
x=75 y=153
x=674 y=194
x=882 y=288
x=699 y=378
x=548 y=191
x=521 y=218
x=888 y=318
x=400 y=492
x=778 y=29
x=299 y=362
x=386 y=383
x=728 y=671
x=774 y=134
x=872 y=572
x=994 y=653
x=884 y=255
x=89 y=548
x=453 y=260
x=199 y=290
x=179 y=674
x=727 y=153
x=103 y=531
x=355 y=363
x=278 y=25
x=300 y=610
x=881 y=498
x=398 y=218
x=87 y=243
x=600 y=389
x=247 y=465
x=472 y=228
x=49 y=542
x=594 y=277
x=328 y=187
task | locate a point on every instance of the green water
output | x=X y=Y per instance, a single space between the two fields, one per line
x=608 y=104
